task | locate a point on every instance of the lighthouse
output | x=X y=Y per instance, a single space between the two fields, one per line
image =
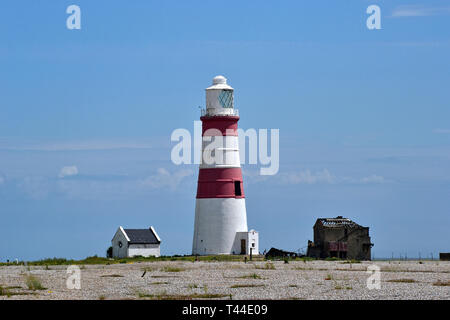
x=220 y=212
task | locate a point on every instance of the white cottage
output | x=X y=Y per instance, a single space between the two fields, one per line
x=135 y=242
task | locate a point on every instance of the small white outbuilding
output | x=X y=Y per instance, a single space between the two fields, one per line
x=135 y=242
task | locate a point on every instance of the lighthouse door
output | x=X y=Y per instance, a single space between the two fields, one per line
x=243 y=246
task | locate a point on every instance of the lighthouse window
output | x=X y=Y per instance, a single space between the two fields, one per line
x=226 y=98
x=237 y=188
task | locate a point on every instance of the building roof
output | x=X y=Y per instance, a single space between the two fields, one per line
x=337 y=222
x=142 y=236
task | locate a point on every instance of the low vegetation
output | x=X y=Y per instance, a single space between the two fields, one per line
x=329 y=277
x=173 y=269
x=251 y=276
x=402 y=280
x=249 y=285
x=266 y=266
x=6 y=291
x=33 y=283
x=111 y=276
x=338 y=287
x=440 y=283
x=165 y=296
x=350 y=261
x=159 y=282
x=107 y=261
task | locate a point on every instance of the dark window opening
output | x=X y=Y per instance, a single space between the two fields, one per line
x=237 y=188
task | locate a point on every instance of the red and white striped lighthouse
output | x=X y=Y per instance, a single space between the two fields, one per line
x=220 y=213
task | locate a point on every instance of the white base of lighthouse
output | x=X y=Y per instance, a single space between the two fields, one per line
x=217 y=224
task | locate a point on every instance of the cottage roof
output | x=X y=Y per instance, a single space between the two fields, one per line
x=142 y=236
x=337 y=222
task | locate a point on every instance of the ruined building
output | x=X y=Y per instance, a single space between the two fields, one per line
x=341 y=238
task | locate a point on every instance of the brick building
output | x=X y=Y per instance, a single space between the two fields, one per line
x=341 y=238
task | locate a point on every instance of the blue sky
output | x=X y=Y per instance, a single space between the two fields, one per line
x=363 y=118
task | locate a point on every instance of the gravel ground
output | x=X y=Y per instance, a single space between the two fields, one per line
x=177 y=279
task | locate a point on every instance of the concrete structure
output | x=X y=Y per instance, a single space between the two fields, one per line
x=220 y=213
x=444 y=256
x=275 y=253
x=135 y=242
x=341 y=238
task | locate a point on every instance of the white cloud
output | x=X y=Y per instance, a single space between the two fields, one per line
x=441 y=130
x=307 y=177
x=166 y=179
x=419 y=11
x=325 y=177
x=373 y=179
x=36 y=187
x=96 y=145
x=68 y=171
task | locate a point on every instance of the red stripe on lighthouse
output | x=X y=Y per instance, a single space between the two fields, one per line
x=220 y=183
x=227 y=125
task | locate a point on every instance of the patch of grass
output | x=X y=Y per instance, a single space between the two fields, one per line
x=107 y=261
x=249 y=285
x=192 y=286
x=111 y=276
x=339 y=287
x=160 y=282
x=173 y=269
x=329 y=277
x=332 y=259
x=251 y=276
x=440 y=283
x=6 y=292
x=149 y=269
x=352 y=261
x=293 y=286
x=402 y=280
x=165 y=296
x=305 y=259
x=102 y=297
x=33 y=283
x=267 y=266
x=302 y=268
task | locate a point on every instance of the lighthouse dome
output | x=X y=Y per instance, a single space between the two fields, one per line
x=219 y=83
x=219 y=80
